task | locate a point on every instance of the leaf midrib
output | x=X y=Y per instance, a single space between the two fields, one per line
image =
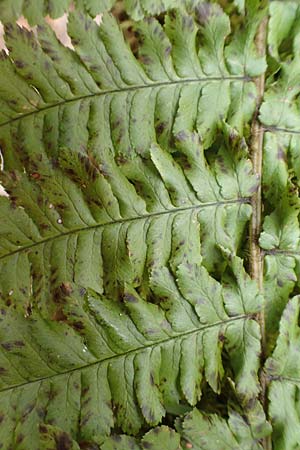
x=279 y=251
x=274 y=129
x=127 y=89
x=241 y=200
x=182 y=335
x=256 y=254
x=280 y=378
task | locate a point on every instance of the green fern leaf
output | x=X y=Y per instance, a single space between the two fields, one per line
x=195 y=430
x=105 y=300
x=282 y=368
x=35 y=11
x=128 y=317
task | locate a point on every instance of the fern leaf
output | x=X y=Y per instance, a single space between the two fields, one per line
x=195 y=430
x=112 y=243
x=155 y=439
x=35 y=11
x=282 y=368
x=128 y=318
x=104 y=340
x=208 y=430
x=279 y=115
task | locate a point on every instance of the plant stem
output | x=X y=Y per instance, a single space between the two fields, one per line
x=256 y=256
x=257 y=132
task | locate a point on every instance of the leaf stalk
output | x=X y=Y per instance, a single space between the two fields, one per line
x=256 y=254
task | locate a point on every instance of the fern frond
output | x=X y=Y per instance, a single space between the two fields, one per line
x=128 y=194
x=35 y=11
x=282 y=370
x=196 y=430
x=279 y=116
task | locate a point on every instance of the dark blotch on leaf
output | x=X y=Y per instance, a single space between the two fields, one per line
x=253 y=188
x=181 y=136
x=148 y=414
x=41 y=412
x=63 y=442
x=168 y=51
x=20 y=438
x=145 y=60
x=121 y=160
x=43 y=429
x=151 y=380
x=66 y=288
x=85 y=390
x=59 y=315
x=19 y=64
x=222 y=338
x=281 y=154
x=11 y=345
x=78 y=325
x=82 y=291
x=84 y=445
x=203 y=13
x=130 y=298
x=160 y=127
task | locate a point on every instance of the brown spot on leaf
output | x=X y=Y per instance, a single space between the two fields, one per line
x=35 y=175
x=43 y=429
x=281 y=154
x=253 y=188
x=11 y=345
x=130 y=298
x=121 y=160
x=63 y=441
x=78 y=325
x=151 y=380
x=19 y=64
x=181 y=136
x=160 y=127
x=82 y=291
x=66 y=288
x=20 y=438
x=222 y=338
x=84 y=445
x=146 y=60
x=41 y=412
x=168 y=51
x=85 y=390
x=59 y=315
x=203 y=13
